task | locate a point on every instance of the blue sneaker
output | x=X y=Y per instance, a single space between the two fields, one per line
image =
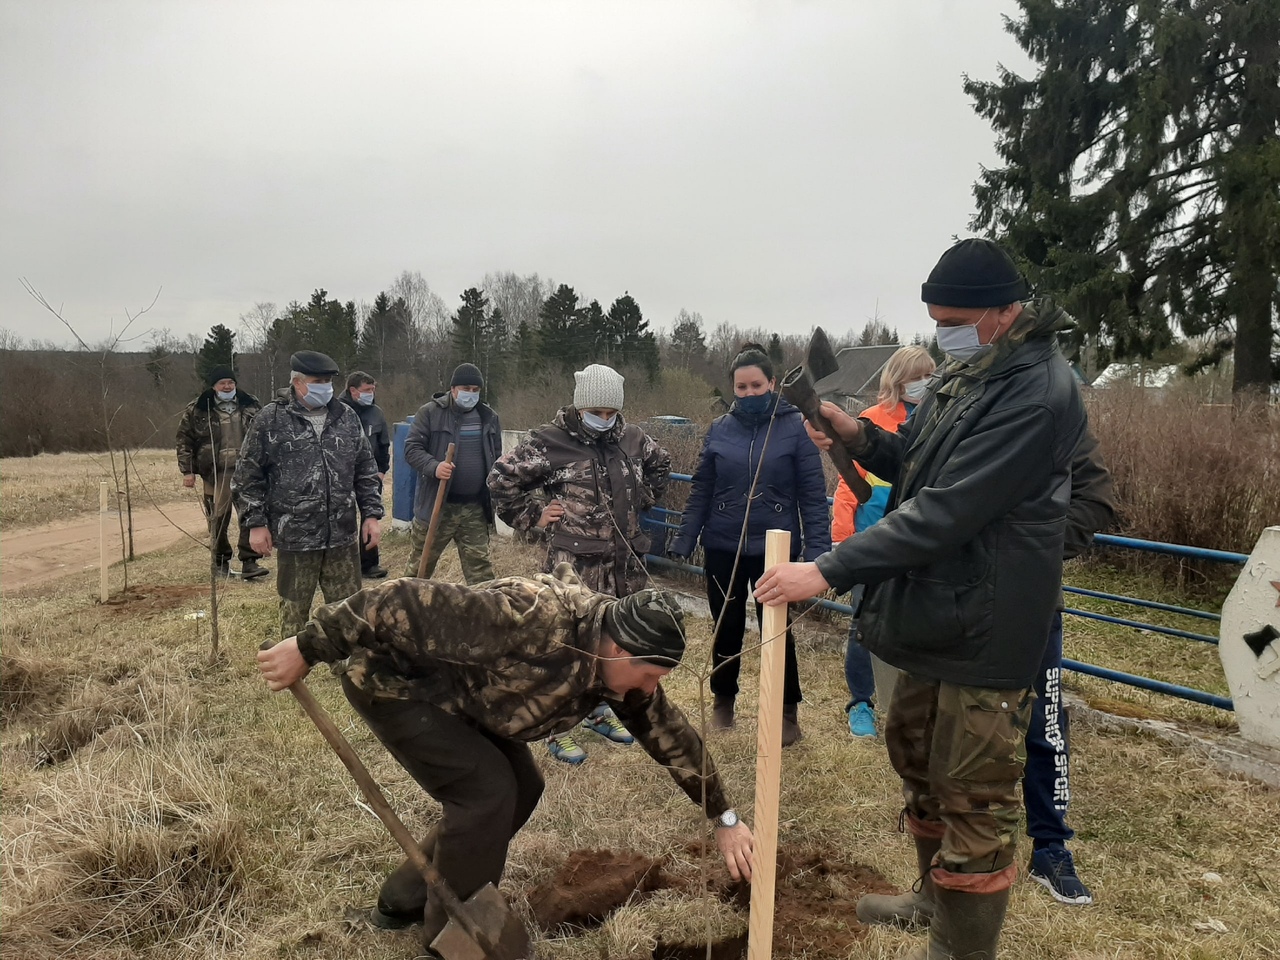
x=606 y=723
x=565 y=748
x=1053 y=868
x=862 y=720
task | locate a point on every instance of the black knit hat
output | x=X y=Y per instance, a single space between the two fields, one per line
x=467 y=375
x=220 y=372
x=974 y=273
x=648 y=624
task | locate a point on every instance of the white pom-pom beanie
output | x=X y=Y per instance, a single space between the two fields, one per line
x=597 y=387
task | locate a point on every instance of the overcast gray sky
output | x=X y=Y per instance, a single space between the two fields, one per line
x=774 y=164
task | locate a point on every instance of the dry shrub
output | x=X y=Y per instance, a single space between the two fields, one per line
x=1186 y=471
x=139 y=853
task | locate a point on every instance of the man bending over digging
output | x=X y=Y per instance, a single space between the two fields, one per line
x=457 y=681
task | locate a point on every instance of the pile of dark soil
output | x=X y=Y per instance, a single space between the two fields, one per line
x=813 y=913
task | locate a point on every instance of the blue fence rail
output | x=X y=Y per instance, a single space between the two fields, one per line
x=660 y=521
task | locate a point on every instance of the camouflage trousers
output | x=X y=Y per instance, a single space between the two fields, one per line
x=600 y=572
x=960 y=752
x=460 y=523
x=298 y=572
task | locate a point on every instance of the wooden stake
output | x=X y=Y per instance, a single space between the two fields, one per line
x=103 y=588
x=777 y=549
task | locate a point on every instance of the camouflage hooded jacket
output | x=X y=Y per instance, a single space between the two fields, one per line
x=604 y=482
x=200 y=431
x=305 y=488
x=514 y=656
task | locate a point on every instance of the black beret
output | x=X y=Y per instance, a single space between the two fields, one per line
x=313 y=364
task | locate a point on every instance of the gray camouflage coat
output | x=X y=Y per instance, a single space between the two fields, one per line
x=305 y=488
x=514 y=656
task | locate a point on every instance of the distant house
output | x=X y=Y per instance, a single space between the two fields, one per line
x=1136 y=374
x=857 y=383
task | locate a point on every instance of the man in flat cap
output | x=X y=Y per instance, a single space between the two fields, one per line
x=963 y=576
x=305 y=474
x=460 y=417
x=457 y=681
x=210 y=433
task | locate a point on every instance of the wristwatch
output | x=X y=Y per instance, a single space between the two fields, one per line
x=727 y=819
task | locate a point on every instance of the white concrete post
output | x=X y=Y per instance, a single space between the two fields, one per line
x=1249 y=643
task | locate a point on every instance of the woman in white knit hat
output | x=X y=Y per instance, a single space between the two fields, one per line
x=580 y=483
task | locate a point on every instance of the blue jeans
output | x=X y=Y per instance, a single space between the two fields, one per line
x=1046 y=780
x=858 y=675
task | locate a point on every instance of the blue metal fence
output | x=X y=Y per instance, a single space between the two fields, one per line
x=660 y=522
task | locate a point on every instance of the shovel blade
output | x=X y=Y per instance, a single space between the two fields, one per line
x=508 y=936
x=821 y=359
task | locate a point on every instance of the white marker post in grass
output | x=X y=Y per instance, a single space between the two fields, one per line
x=103 y=589
x=773 y=637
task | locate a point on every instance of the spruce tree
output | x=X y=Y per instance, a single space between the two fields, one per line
x=1140 y=172
x=218 y=349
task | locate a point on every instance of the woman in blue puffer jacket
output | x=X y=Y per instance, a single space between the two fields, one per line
x=789 y=494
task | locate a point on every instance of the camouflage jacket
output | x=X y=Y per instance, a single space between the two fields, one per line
x=604 y=483
x=305 y=488
x=200 y=431
x=514 y=656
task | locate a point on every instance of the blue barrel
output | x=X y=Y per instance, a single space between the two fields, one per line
x=404 y=479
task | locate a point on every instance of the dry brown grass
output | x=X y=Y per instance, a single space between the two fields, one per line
x=208 y=819
x=59 y=486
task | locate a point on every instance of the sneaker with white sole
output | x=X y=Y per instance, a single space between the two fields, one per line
x=862 y=720
x=606 y=723
x=1055 y=870
x=566 y=749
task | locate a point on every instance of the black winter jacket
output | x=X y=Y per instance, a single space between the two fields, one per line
x=304 y=488
x=435 y=427
x=376 y=431
x=966 y=567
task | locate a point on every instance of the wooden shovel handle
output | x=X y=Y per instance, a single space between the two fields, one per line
x=435 y=517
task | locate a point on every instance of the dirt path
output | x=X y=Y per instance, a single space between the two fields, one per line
x=31 y=554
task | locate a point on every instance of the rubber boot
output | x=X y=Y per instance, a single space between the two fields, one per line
x=722 y=713
x=790 y=724
x=966 y=926
x=913 y=909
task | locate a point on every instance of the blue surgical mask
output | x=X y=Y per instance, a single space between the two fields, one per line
x=598 y=424
x=962 y=343
x=318 y=395
x=466 y=400
x=760 y=403
x=229 y=395
x=364 y=399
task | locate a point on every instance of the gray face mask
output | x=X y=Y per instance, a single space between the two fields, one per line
x=466 y=400
x=318 y=395
x=962 y=343
x=914 y=391
x=229 y=395
x=598 y=424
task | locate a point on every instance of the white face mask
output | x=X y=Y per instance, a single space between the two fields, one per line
x=229 y=395
x=915 y=390
x=364 y=399
x=598 y=424
x=466 y=399
x=962 y=343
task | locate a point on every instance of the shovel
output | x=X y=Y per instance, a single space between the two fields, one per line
x=434 y=525
x=798 y=390
x=483 y=928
